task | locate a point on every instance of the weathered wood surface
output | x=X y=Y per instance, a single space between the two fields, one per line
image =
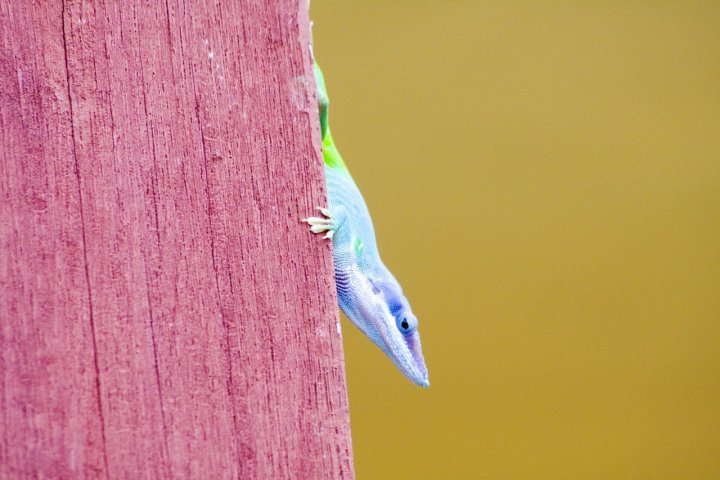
x=163 y=313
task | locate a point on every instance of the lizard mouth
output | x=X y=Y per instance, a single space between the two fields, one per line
x=405 y=351
x=413 y=343
x=370 y=313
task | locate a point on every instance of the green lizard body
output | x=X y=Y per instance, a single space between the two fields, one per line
x=368 y=293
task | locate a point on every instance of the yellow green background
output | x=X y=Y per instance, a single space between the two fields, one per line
x=544 y=178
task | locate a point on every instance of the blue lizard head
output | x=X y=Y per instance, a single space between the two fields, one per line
x=379 y=308
x=407 y=324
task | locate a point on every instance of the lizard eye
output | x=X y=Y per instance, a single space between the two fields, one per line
x=407 y=324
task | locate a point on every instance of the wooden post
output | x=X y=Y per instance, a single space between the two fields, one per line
x=163 y=312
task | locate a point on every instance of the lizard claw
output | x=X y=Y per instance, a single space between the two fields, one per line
x=325 y=211
x=320 y=224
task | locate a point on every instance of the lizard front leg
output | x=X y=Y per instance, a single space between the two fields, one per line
x=330 y=222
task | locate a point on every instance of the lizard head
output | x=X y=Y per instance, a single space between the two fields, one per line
x=382 y=312
x=407 y=325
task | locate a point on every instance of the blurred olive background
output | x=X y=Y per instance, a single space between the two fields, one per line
x=544 y=179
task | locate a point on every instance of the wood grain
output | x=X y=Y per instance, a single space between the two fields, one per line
x=163 y=312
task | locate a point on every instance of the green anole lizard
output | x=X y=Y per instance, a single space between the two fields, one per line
x=367 y=292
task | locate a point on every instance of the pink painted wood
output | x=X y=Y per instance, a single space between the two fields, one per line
x=163 y=312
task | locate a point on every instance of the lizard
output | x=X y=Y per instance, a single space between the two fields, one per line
x=367 y=291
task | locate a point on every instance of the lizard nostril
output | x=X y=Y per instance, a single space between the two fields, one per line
x=404 y=324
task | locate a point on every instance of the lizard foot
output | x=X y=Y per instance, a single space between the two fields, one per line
x=322 y=224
